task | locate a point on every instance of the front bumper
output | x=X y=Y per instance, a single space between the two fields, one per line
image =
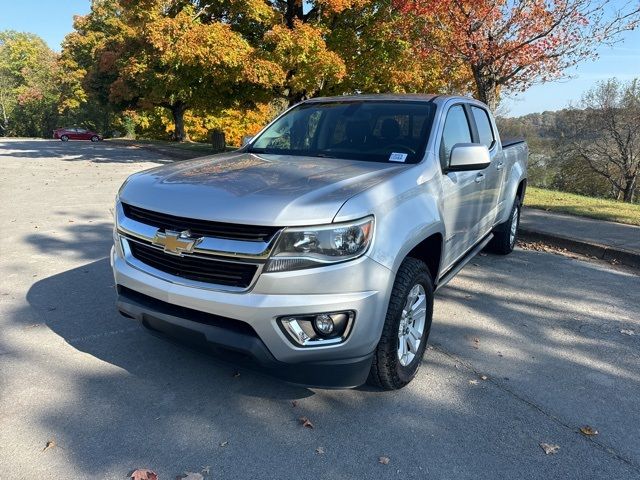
x=242 y=327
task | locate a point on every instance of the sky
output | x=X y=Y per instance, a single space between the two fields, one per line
x=52 y=20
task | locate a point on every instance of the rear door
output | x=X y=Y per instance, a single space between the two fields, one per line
x=462 y=191
x=82 y=134
x=483 y=133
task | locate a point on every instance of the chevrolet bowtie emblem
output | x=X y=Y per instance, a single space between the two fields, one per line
x=176 y=243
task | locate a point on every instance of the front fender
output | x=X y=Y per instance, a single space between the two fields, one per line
x=406 y=212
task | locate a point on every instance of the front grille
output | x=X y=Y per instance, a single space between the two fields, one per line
x=200 y=228
x=198 y=268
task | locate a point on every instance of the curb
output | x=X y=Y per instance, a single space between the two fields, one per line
x=603 y=252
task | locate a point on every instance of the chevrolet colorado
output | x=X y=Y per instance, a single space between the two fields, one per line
x=314 y=251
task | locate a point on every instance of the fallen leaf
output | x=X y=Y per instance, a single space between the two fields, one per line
x=224 y=444
x=320 y=451
x=384 y=460
x=190 y=476
x=306 y=422
x=206 y=470
x=143 y=474
x=476 y=343
x=483 y=377
x=50 y=444
x=627 y=332
x=549 y=448
x=588 y=431
x=473 y=382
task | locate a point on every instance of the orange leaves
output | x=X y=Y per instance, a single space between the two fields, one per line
x=181 y=40
x=302 y=51
x=509 y=44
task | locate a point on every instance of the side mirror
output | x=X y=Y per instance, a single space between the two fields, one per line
x=246 y=140
x=469 y=156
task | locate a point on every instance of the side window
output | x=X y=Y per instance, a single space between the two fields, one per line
x=456 y=130
x=484 y=126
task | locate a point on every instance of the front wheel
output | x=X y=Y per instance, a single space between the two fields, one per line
x=406 y=328
x=94 y=138
x=64 y=138
x=505 y=234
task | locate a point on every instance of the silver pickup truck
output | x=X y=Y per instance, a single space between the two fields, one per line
x=313 y=252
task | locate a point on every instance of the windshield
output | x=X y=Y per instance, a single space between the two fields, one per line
x=378 y=131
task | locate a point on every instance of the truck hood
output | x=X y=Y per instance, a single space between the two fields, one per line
x=255 y=189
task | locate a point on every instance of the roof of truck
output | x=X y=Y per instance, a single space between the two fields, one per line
x=389 y=97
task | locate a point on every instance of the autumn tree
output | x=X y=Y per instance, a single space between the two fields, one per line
x=168 y=57
x=337 y=46
x=232 y=55
x=605 y=134
x=512 y=44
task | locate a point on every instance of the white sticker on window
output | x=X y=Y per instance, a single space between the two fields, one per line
x=397 y=157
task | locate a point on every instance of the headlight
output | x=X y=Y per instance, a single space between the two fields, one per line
x=316 y=246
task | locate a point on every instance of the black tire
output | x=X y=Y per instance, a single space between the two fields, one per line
x=64 y=138
x=503 y=242
x=387 y=372
x=95 y=138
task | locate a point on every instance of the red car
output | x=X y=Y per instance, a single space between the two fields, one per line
x=76 y=133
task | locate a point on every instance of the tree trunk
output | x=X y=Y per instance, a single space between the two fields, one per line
x=177 y=110
x=629 y=190
x=486 y=88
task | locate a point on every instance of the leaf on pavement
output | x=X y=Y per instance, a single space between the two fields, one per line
x=384 y=460
x=50 y=444
x=473 y=382
x=306 y=422
x=320 y=451
x=625 y=331
x=224 y=444
x=549 y=448
x=588 y=431
x=483 y=377
x=190 y=476
x=143 y=474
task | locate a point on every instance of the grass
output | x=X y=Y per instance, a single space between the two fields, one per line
x=580 y=205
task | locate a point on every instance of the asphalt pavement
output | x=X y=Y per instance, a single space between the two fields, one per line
x=525 y=349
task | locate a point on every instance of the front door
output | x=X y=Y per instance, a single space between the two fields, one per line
x=463 y=192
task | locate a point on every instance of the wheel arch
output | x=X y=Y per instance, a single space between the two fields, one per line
x=429 y=251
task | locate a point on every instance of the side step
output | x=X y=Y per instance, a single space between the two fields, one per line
x=459 y=265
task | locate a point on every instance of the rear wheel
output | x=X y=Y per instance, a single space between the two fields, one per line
x=505 y=234
x=94 y=138
x=406 y=328
x=64 y=138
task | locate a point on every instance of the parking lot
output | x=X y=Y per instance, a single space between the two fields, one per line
x=525 y=349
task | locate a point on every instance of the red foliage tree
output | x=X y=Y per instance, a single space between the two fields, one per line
x=512 y=44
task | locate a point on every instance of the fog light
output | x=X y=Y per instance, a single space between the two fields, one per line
x=323 y=324
x=318 y=329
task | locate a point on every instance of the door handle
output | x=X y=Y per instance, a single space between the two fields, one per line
x=500 y=166
x=479 y=177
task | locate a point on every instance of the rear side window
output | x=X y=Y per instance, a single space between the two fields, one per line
x=456 y=130
x=483 y=124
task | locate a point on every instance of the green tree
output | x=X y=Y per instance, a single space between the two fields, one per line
x=28 y=86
